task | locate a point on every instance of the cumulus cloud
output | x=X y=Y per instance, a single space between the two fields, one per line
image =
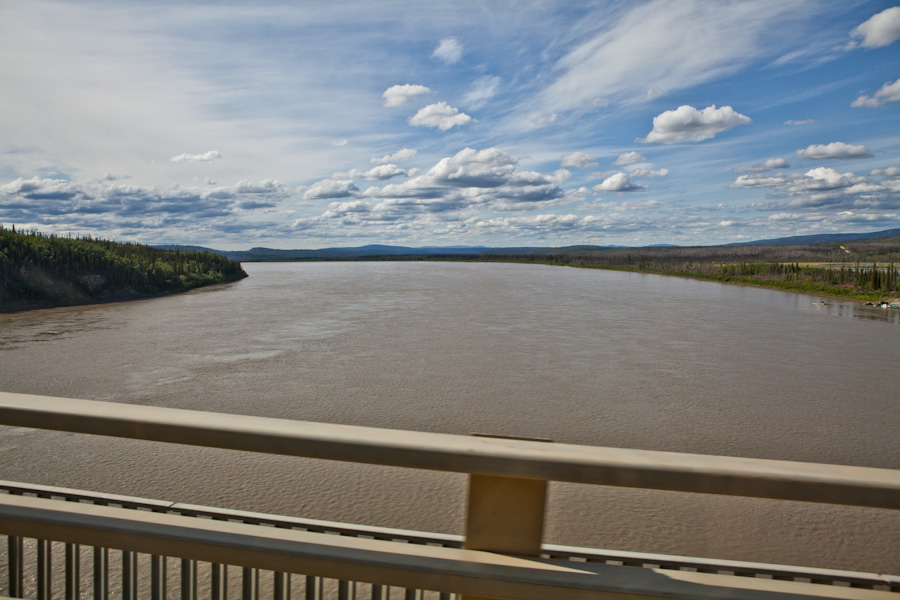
x=834 y=150
x=380 y=172
x=889 y=92
x=207 y=157
x=440 y=116
x=889 y=172
x=482 y=90
x=449 y=50
x=687 y=124
x=629 y=158
x=331 y=188
x=620 y=182
x=397 y=95
x=880 y=30
x=399 y=155
x=577 y=159
x=771 y=164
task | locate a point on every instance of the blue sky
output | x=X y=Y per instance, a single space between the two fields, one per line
x=309 y=125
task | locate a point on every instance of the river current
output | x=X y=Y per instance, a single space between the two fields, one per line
x=575 y=355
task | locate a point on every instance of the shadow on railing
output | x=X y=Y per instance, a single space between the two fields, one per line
x=501 y=555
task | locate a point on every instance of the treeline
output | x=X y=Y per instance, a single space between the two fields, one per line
x=45 y=270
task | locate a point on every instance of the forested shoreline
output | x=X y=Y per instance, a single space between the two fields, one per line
x=866 y=270
x=38 y=270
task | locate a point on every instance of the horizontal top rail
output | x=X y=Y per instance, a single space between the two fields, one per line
x=762 y=478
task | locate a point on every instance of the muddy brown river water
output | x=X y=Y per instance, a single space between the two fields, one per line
x=579 y=356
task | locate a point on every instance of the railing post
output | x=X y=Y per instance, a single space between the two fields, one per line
x=16 y=562
x=505 y=514
x=188 y=579
x=101 y=574
x=158 y=577
x=129 y=575
x=43 y=570
x=73 y=572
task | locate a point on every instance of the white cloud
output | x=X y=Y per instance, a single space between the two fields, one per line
x=330 y=188
x=800 y=123
x=620 y=182
x=206 y=157
x=687 y=124
x=889 y=92
x=482 y=90
x=771 y=164
x=340 y=143
x=629 y=158
x=450 y=50
x=441 y=116
x=577 y=159
x=889 y=172
x=399 y=155
x=880 y=30
x=380 y=172
x=473 y=168
x=834 y=150
x=397 y=95
x=648 y=172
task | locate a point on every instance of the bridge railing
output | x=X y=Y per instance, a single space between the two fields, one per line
x=500 y=556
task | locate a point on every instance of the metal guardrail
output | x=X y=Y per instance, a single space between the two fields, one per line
x=411 y=560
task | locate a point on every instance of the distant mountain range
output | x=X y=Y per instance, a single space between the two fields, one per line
x=378 y=250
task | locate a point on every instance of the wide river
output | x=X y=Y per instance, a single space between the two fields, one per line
x=576 y=355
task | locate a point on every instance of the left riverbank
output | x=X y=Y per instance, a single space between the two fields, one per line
x=44 y=271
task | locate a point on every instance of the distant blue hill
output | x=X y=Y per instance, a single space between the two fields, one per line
x=380 y=250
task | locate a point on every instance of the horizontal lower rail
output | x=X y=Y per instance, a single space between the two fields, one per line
x=811 y=482
x=381 y=562
x=570 y=553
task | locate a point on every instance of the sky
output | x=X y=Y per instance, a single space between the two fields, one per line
x=236 y=124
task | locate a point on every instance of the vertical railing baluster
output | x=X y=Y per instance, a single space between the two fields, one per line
x=129 y=575
x=380 y=592
x=250 y=584
x=188 y=579
x=346 y=590
x=16 y=549
x=282 y=586
x=412 y=595
x=313 y=588
x=101 y=574
x=157 y=577
x=219 y=587
x=73 y=572
x=43 y=570
x=444 y=596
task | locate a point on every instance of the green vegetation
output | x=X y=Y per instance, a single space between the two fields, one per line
x=39 y=270
x=864 y=270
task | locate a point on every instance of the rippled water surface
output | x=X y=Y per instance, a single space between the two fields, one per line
x=579 y=356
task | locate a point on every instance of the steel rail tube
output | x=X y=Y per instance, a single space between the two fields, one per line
x=762 y=478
